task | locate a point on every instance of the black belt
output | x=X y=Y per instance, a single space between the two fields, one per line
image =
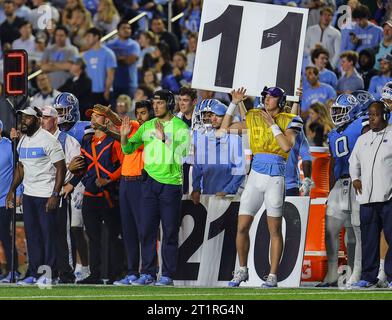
x=131 y=178
x=345 y=176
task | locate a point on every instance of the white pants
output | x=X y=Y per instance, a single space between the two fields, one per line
x=342 y=203
x=263 y=188
x=76 y=206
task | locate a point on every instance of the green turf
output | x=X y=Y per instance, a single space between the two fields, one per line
x=71 y=292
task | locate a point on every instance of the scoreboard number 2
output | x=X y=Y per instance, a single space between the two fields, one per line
x=15 y=73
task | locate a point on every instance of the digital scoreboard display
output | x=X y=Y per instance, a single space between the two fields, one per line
x=15 y=73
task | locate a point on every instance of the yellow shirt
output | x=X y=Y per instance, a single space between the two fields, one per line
x=261 y=137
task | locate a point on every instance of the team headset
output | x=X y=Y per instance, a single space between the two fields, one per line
x=275 y=90
x=386 y=113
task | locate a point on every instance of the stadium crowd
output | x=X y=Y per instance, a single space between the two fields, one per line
x=85 y=158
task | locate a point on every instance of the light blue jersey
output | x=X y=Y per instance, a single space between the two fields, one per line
x=219 y=165
x=341 y=142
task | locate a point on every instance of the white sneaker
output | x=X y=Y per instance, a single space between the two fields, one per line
x=355 y=277
x=82 y=274
x=270 y=282
x=239 y=276
x=382 y=279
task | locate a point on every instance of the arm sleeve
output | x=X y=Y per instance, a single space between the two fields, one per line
x=182 y=143
x=332 y=93
x=346 y=41
x=296 y=124
x=355 y=163
x=135 y=141
x=372 y=86
x=304 y=150
x=111 y=60
x=238 y=165
x=54 y=151
x=197 y=174
x=337 y=45
x=117 y=155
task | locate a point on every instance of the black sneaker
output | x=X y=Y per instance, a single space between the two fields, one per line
x=67 y=279
x=90 y=280
x=327 y=284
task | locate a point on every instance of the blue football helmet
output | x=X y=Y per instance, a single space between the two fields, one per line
x=364 y=98
x=386 y=92
x=345 y=109
x=67 y=106
x=207 y=105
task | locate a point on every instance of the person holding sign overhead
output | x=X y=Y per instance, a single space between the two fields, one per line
x=272 y=134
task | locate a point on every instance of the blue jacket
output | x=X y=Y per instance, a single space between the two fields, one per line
x=219 y=165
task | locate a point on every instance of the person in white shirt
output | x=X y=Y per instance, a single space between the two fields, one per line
x=71 y=148
x=371 y=173
x=46 y=94
x=323 y=34
x=42 y=169
x=26 y=40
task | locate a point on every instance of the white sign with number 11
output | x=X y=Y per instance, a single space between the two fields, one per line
x=249 y=44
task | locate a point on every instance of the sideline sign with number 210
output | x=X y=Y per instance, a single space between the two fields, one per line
x=249 y=44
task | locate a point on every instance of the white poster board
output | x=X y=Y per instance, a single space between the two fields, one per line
x=207 y=252
x=251 y=45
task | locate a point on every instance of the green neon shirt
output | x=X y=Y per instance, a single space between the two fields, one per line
x=162 y=161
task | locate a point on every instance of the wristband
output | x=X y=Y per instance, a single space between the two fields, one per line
x=276 y=130
x=231 y=109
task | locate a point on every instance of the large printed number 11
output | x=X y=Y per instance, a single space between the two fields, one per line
x=228 y=24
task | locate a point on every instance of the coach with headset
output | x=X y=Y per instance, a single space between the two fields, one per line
x=166 y=142
x=371 y=173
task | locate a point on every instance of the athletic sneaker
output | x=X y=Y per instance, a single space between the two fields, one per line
x=90 y=280
x=7 y=279
x=67 y=278
x=363 y=284
x=239 y=276
x=126 y=281
x=327 y=284
x=82 y=273
x=27 y=281
x=144 y=280
x=270 y=282
x=390 y=285
x=165 y=281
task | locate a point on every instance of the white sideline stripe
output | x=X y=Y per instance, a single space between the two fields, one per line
x=270 y=293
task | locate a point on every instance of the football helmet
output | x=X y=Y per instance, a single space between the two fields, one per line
x=364 y=99
x=67 y=106
x=207 y=105
x=386 y=92
x=345 y=109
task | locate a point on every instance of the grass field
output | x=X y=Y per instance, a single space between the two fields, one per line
x=72 y=292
